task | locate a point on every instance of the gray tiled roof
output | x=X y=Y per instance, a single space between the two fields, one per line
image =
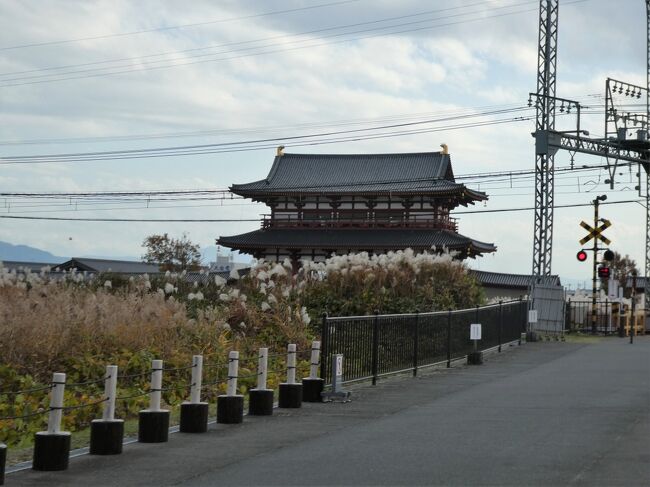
x=498 y=279
x=24 y=266
x=354 y=239
x=420 y=172
x=105 y=265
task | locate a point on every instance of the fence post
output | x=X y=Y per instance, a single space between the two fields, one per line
x=312 y=386
x=230 y=407
x=375 y=348
x=3 y=461
x=260 y=399
x=449 y=339
x=524 y=320
x=194 y=414
x=52 y=447
x=416 y=343
x=107 y=434
x=324 y=336
x=500 y=323
x=290 y=392
x=153 y=423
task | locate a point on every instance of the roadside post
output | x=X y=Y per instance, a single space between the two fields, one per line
x=52 y=447
x=531 y=335
x=290 y=391
x=194 y=413
x=337 y=393
x=475 y=357
x=312 y=386
x=230 y=407
x=260 y=399
x=153 y=423
x=107 y=434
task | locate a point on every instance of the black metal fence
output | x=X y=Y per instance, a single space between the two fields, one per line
x=379 y=345
x=608 y=316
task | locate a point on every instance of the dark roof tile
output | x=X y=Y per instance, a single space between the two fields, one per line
x=354 y=239
x=105 y=265
x=420 y=172
x=499 y=279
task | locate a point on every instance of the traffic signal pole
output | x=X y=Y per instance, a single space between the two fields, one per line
x=594 y=283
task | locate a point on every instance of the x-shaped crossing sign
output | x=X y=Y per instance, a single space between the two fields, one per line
x=596 y=232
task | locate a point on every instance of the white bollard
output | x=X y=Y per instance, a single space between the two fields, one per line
x=315 y=359
x=197 y=374
x=312 y=386
x=56 y=404
x=156 y=385
x=52 y=447
x=291 y=363
x=230 y=408
x=107 y=434
x=233 y=367
x=110 y=389
x=260 y=399
x=290 y=395
x=153 y=423
x=194 y=414
x=262 y=367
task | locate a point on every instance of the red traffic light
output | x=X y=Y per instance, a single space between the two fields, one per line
x=603 y=272
x=582 y=256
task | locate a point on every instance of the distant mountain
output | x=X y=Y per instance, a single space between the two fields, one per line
x=25 y=253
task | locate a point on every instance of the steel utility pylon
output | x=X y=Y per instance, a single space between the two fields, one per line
x=545 y=121
x=647 y=168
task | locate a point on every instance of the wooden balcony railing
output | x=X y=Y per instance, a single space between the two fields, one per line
x=293 y=222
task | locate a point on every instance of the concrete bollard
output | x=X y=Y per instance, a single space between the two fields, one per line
x=3 y=462
x=230 y=407
x=52 y=447
x=290 y=391
x=312 y=386
x=522 y=338
x=194 y=414
x=153 y=423
x=107 y=434
x=260 y=399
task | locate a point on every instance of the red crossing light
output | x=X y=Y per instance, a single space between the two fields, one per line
x=603 y=272
x=582 y=256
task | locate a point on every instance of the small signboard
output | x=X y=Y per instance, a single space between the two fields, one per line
x=339 y=366
x=532 y=316
x=475 y=331
x=612 y=288
x=337 y=392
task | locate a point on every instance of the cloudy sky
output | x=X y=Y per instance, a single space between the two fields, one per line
x=94 y=76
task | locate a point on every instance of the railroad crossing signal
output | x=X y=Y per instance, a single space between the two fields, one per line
x=596 y=232
x=603 y=272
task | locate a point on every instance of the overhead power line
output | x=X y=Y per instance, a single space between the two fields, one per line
x=258 y=144
x=252 y=41
x=26 y=80
x=175 y=27
x=225 y=194
x=210 y=220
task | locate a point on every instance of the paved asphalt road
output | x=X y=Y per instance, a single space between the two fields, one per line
x=541 y=414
